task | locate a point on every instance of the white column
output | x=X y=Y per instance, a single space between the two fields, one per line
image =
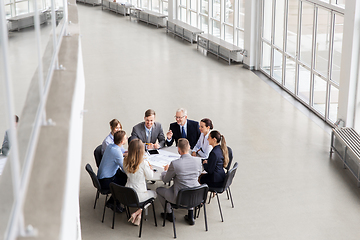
x=350 y=66
x=251 y=33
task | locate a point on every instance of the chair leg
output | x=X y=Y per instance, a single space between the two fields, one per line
x=232 y=203
x=222 y=219
x=227 y=193
x=114 y=210
x=173 y=217
x=106 y=198
x=96 y=197
x=141 y=221
x=210 y=197
x=164 y=213
x=153 y=207
x=127 y=212
x=206 y=226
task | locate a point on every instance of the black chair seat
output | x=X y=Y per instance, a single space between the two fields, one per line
x=129 y=198
x=188 y=198
x=97 y=185
x=98 y=155
x=226 y=187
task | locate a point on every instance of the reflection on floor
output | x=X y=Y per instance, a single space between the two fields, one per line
x=286 y=187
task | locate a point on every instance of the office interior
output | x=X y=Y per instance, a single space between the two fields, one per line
x=276 y=109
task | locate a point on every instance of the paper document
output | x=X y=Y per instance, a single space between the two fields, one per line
x=163 y=158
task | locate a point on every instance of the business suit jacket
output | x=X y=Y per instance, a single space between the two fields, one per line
x=185 y=172
x=193 y=133
x=214 y=167
x=157 y=133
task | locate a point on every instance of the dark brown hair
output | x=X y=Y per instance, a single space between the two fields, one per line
x=119 y=136
x=220 y=138
x=149 y=113
x=208 y=122
x=113 y=124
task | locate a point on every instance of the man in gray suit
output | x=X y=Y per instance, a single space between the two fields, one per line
x=149 y=131
x=185 y=172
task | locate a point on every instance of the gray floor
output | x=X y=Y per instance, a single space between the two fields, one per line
x=286 y=186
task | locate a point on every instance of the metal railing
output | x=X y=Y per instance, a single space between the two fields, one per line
x=21 y=176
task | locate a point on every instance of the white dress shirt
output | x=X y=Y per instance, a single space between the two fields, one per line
x=202 y=147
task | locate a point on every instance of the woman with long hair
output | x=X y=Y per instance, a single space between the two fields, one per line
x=218 y=160
x=137 y=171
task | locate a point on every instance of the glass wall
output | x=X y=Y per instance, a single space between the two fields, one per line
x=18 y=7
x=221 y=18
x=301 y=43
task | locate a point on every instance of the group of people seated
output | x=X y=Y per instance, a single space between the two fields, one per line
x=129 y=168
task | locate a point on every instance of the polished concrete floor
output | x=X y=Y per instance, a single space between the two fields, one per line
x=286 y=186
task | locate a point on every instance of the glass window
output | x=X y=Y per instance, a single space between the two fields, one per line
x=216 y=28
x=165 y=8
x=290 y=71
x=322 y=41
x=292 y=22
x=319 y=98
x=22 y=7
x=156 y=5
x=240 y=40
x=193 y=19
x=216 y=10
x=279 y=23
x=277 y=69
x=266 y=56
x=229 y=11
x=204 y=6
x=193 y=4
x=267 y=21
x=229 y=34
x=304 y=84
x=241 y=14
x=144 y=3
x=339 y=2
x=333 y=105
x=183 y=2
x=8 y=11
x=306 y=33
x=204 y=23
x=337 y=45
x=183 y=14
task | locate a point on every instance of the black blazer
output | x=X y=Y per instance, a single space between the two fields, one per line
x=193 y=133
x=214 y=166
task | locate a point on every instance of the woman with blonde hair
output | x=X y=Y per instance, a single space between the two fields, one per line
x=137 y=171
x=218 y=160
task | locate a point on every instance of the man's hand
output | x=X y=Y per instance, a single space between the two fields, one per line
x=156 y=146
x=193 y=154
x=169 y=135
x=166 y=167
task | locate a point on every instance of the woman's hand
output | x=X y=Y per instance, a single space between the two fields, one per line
x=205 y=161
x=193 y=154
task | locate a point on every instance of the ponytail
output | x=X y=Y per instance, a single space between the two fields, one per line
x=225 y=151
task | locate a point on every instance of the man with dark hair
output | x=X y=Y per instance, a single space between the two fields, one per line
x=111 y=166
x=6 y=143
x=185 y=172
x=183 y=128
x=149 y=131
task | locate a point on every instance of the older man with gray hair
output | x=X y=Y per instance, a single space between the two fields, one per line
x=183 y=128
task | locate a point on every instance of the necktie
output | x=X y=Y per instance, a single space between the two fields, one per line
x=148 y=139
x=183 y=134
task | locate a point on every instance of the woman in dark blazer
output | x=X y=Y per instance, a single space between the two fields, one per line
x=216 y=162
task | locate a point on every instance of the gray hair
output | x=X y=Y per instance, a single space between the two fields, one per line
x=182 y=110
